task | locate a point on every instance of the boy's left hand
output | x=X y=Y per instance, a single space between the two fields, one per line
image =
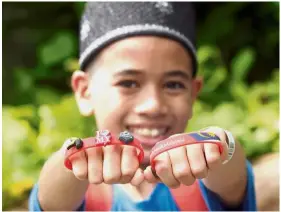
x=183 y=165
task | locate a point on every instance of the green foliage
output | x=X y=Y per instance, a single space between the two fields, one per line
x=250 y=112
x=31 y=135
x=57 y=49
x=241 y=64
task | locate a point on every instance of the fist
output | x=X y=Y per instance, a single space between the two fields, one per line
x=183 y=165
x=107 y=164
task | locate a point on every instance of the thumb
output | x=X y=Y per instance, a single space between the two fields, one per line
x=150 y=175
x=138 y=177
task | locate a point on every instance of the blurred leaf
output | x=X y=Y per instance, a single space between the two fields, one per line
x=47 y=96
x=205 y=53
x=58 y=48
x=217 y=78
x=71 y=65
x=264 y=135
x=276 y=146
x=59 y=122
x=242 y=63
x=239 y=92
x=263 y=116
x=20 y=112
x=23 y=130
x=18 y=188
x=24 y=80
x=224 y=26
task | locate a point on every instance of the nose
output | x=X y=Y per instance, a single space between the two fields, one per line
x=152 y=104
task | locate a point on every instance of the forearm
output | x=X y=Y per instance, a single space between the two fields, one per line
x=229 y=180
x=58 y=188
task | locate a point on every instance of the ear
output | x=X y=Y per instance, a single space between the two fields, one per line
x=197 y=84
x=80 y=87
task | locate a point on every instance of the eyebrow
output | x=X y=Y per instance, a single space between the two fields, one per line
x=178 y=73
x=131 y=72
x=127 y=73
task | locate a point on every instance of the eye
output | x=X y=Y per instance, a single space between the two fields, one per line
x=175 y=85
x=128 y=84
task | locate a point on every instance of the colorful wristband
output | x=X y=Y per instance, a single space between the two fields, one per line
x=182 y=140
x=103 y=138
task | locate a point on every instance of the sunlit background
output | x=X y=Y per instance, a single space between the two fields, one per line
x=238 y=53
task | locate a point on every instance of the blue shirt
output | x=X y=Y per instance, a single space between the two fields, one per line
x=122 y=202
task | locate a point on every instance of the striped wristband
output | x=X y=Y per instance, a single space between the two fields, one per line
x=231 y=146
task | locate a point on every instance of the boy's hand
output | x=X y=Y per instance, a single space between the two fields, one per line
x=183 y=165
x=110 y=164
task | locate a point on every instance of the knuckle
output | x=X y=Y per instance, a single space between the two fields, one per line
x=181 y=171
x=184 y=175
x=114 y=178
x=95 y=180
x=211 y=149
x=95 y=177
x=125 y=179
x=81 y=175
x=213 y=159
x=128 y=173
x=199 y=171
x=161 y=169
x=95 y=174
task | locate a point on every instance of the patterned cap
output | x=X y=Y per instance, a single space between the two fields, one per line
x=105 y=22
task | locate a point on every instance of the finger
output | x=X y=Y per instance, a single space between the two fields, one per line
x=79 y=165
x=138 y=178
x=223 y=138
x=197 y=161
x=112 y=163
x=155 y=174
x=129 y=163
x=149 y=176
x=212 y=155
x=164 y=170
x=180 y=164
x=95 y=165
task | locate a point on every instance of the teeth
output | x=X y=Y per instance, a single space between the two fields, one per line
x=155 y=132
x=149 y=132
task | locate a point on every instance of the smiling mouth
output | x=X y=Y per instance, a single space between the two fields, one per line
x=148 y=132
x=149 y=136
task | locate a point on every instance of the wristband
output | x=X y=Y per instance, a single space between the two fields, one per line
x=103 y=138
x=183 y=140
x=231 y=146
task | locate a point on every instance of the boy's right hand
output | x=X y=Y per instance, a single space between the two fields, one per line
x=112 y=164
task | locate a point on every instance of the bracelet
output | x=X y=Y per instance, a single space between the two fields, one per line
x=231 y=146
x=182 y=140
x=103 y=138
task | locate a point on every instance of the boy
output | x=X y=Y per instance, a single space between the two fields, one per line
x=138 y=73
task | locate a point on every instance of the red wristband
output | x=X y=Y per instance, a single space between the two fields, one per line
x=183 y=140
x=103 y=138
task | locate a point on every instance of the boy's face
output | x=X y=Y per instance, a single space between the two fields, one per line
x=142 y=84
